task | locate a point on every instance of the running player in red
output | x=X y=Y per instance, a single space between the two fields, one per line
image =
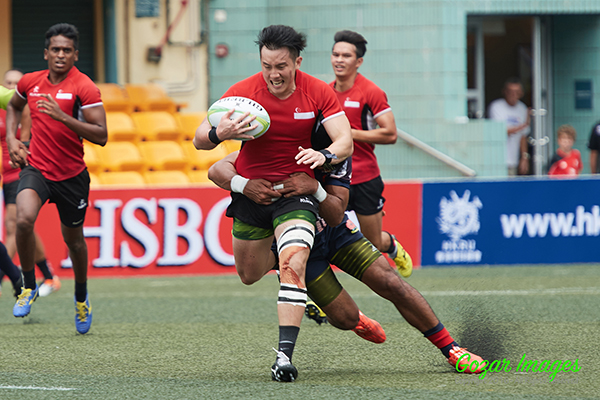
x=372 y=123
x=295 y=101
x=10 y=183
x=65 y=108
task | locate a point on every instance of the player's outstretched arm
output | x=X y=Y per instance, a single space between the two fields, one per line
x=338 y=129
x=386 y=133
x=224 y=175
x=93 y=128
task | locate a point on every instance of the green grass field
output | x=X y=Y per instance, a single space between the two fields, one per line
x=211 y=338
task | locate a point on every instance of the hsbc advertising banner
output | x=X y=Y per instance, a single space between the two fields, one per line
x=511 y=222
x=182 y=230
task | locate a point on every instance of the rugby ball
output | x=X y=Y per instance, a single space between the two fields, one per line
x=240 y=105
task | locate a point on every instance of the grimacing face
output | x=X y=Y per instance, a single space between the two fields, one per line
x=279 y=71
x=60 y=54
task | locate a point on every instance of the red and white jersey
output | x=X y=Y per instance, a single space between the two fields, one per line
x=272 y=156
x=363 y=103
x=9 y=174
x=567 y=165
x=56 y=150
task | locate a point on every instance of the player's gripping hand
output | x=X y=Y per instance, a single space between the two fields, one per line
x=235 y=128
x=260 y=191
x=298 y=184
x=310 y=156
x=18 y=153
x=47 y=105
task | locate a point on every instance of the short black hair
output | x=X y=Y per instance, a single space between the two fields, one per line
x=67 y=30
x=275 y=37
x=512 y=80
x=353 y=38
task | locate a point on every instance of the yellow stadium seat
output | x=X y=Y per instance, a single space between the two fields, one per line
x=114 y=98
x=232 y=145
x=199 y=176
x=189 y=122
x=203 y=159
x=166 y=178
x=150 y=97
x=163 y=155
x=120 y=156
x=94 y=181
x=90 y=156
x=123 y=178
x=120 y=127
x=157 y=125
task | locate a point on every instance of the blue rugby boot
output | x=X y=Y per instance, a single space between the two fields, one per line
x=83 y=315
x=24 y=300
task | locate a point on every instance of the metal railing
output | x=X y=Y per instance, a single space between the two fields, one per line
x=438 y=155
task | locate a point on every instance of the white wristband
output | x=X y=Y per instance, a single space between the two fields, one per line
x=238 y=183
x=321 y=194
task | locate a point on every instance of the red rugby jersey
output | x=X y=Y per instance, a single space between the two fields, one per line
x=56 y=150
x=272 y=156
x=9 y=174
x=363 y=103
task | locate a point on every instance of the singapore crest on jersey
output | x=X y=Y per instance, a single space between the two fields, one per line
x=459 y=217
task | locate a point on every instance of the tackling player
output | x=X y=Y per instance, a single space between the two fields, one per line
x=65 y=108
x=294 y=101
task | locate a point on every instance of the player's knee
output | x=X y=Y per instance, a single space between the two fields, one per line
x=76 y=245
x=298 y=235
x=25 y=225
x=248 y=278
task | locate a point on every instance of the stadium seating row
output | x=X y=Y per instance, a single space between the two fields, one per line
x=162 y=155
x=137 y=97
x=133 y=179
x=152 y=125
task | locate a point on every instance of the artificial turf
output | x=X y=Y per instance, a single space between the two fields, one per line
x=211 y=338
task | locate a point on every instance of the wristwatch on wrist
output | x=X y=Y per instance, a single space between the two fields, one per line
x=329 y=157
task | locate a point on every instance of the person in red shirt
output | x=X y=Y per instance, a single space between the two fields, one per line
x=10 y=183
x=372 y=123
x=65 y=108
x=296 y=102
x=567 y=160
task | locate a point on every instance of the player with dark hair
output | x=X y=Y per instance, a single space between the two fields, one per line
x=65 y=108
x=294 y=101
x=10 y=183
x=372 y=123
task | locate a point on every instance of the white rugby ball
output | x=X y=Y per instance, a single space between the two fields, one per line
x=241 y=105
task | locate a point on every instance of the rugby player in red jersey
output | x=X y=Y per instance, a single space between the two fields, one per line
x=65 y=108
x=296 y=102
x=372 y=123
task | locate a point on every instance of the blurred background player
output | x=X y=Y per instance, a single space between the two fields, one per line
x=567 y=160
x=6 y=265
x=10 y=182
x=372 y=123
x=294 y=101
x=54 y=169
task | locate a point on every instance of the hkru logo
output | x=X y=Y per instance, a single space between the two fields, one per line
x=458 y=218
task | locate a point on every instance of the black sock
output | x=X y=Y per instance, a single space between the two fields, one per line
x=8 y=267
x=392 y=247
x=287 y=339
x=29 y=279
x=44 y=269
x=80 y=291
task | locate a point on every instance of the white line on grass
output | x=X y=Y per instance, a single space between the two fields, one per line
x=527 y=292
x=36 y=388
